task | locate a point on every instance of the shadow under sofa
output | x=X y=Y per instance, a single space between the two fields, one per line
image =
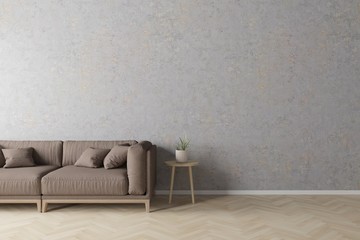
x=55 y=179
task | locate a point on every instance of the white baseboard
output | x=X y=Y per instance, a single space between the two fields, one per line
x=261 y=192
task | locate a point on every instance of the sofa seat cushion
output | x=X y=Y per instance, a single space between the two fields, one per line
x=77 y=181
x=23 y=181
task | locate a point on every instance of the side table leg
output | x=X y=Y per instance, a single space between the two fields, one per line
x=171 y=183
x=191 y=185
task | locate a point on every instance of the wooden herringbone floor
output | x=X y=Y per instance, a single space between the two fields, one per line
x=212 y=217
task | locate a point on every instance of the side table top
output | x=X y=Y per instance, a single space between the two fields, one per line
x=174 y=163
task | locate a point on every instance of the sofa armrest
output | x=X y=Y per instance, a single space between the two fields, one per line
x=151 y=171
x=138 y=165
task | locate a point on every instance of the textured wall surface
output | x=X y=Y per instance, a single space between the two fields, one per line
x=267 y=91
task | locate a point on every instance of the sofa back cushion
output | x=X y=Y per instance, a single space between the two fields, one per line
x=45 y=152
x=74 y=149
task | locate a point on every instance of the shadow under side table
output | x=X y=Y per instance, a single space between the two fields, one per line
x=174 y=164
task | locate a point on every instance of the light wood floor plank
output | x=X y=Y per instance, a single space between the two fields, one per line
x=212 y=217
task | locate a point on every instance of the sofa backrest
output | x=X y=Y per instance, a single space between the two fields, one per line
x=45 y=152
x=74 y=149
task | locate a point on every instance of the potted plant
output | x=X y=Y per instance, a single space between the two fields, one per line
x=180 y=153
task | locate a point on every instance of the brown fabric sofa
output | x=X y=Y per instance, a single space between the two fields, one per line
x=55 y=179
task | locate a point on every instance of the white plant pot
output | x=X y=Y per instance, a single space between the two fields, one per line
x=181 y=156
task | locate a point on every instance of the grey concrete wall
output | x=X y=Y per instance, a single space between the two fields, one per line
x=267 y=91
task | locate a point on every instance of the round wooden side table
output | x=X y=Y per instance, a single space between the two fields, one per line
x=174 y=164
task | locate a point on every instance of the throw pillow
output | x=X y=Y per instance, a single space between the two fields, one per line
x=92 y=157
x=2 y=158
x=21 y=157
x=116 y=157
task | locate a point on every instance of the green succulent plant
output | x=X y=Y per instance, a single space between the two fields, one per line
x=183 y=144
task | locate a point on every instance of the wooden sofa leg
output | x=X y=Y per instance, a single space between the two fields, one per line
x=44 y=206
x=147 y=206
x=38 y=204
